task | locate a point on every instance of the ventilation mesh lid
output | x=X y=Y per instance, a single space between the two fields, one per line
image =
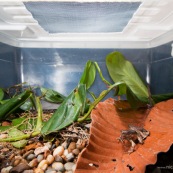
x=86 y=17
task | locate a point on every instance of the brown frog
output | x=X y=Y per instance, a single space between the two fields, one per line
x=133 y=136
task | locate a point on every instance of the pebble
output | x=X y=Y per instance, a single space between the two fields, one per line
x=65 y=152
x=46 y=153
x=72 y=146
x=76 y=151
x=68 y=171
x=6 y=170
x=74 y=167
x=58 y=151
x=38 y=170
x=58 y=158
x=43 y=165
x=40 y=157
x=40 y=150
x=48 y=144
x=30 y=157
x=49 y=170
x=33 y=163
x=69 y=157
x=28 y=171
x=28 y=153
x=68 y=166
x=58 y=166
x=50 y=159
x=64 y=144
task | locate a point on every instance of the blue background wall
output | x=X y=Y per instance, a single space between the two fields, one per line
x=162 y=69
x=9 y=65
x=60 y=69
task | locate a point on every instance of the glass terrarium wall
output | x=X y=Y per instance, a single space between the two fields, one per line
x=162 y=69
x=10 y=73
x=60 y=69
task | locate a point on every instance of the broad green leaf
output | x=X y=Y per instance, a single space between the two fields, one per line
x=20 y=144
x=15 y=132
x=52 y=95
x=1 y=94
x=88 y=75
x=68 y=111
x=4 y=101
x=133 y=100
x=122 y=70
x=162 y=97
x=14 y=103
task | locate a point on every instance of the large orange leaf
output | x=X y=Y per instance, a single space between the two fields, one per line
x=106 y=154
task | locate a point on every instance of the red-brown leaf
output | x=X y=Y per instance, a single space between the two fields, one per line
x=105 y=153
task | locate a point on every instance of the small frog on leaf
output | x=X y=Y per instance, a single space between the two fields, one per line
x=133 y=136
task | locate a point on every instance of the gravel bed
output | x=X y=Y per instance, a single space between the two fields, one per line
x=56 y=154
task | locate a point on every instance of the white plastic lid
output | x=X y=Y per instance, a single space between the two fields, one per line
x=86 y=23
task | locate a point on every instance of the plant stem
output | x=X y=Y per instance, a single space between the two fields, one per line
x=101 y=96
x=17 y=138
x=101 y=75
x=39 y=116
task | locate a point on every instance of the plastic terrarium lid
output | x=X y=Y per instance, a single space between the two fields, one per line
x=86 y=23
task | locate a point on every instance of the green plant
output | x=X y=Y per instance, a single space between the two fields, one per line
x=76 y=106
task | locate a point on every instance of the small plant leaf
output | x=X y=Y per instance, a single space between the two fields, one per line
x=122 y=70
x=15 y=132
x=52 y=95
x=4 y=128
x=88 y=76
x=68 y=111
x=1 y=94
x=19 y=144
x=13 y=104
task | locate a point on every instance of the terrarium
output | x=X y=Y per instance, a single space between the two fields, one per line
x=86 y=86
